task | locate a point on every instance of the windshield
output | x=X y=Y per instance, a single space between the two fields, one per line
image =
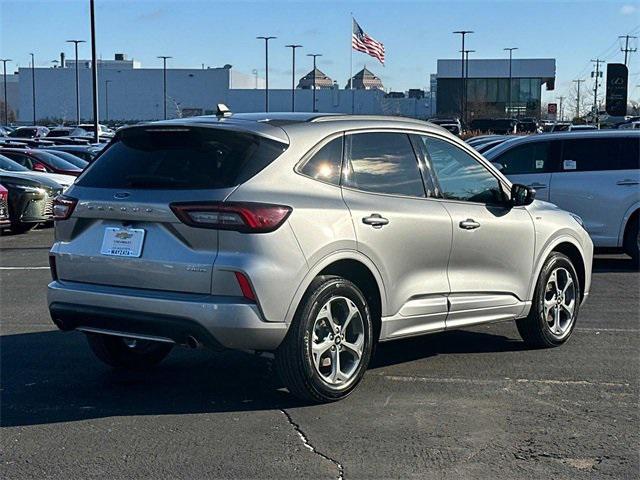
x=56 y=162
x=9 y=165
x=23 y=133
x=180 y=157
x=77 y=161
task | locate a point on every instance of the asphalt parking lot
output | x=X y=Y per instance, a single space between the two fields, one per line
x=466 y=404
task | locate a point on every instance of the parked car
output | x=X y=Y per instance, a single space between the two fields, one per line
x=586 y=126
x=57 y=132
x=4 y=208
x=40 y=161
x=30 y=201
x=86 y=153
x=8 y=165
x=69 y=157
x=500 y=126
x=453 y=125
x=528 y=125
x=29 y=132
x=481 y=139
x=593 y=174
x=103 y=129
x=313 y=236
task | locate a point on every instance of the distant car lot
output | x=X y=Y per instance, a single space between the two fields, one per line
x=464 y=404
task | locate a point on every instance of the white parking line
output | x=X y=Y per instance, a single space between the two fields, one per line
x=24 y=268
x=623 y=330
x=478 y=381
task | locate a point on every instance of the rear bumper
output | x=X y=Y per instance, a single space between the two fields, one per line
x=215 y=321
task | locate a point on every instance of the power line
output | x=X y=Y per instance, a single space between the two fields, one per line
x=626 y=48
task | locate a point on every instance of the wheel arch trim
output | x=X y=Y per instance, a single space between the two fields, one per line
x=635 y=207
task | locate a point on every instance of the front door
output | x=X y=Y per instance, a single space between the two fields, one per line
x=491 y=257
x=406 y=234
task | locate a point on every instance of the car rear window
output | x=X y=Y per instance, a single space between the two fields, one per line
x=180 y=158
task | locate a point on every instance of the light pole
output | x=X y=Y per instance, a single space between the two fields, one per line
x=510 y=50
x=293 y=74
x=266 y=70
x=94 y=72
x=106 y=99
x=466 y=77
x=462 y=33
x=76 y=42
x=578 y=82
x=164 y=83
x=314 y=55
x=33 y=86
x=6 y=110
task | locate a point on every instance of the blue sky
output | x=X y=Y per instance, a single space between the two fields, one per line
x=415 y=34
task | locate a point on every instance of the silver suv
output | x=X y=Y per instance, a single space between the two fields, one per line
x=312 y=236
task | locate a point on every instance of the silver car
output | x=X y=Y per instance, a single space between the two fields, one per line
x=311 y=236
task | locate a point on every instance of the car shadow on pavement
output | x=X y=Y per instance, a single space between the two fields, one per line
x=618 y=263
x=52 y=376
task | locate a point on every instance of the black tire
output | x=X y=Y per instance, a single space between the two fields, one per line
x=632 y=240
x=535 y=329
x=294 y=358
x=115 y=352
x=20 y=227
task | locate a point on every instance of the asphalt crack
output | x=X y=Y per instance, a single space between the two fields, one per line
x=309 y=446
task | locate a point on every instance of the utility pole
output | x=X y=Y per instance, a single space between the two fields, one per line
x=462 y=33
x=266 y=70
x=561 y=98
x=626 y=48
x=164 y=83
x=510 y=50
x=293 y=74
x=314 y=55
x=466 y=77
x=6 y=108
x=597 y=74
x=76 y=42
x=578 y=82
x=106 y=99
x=33 y=86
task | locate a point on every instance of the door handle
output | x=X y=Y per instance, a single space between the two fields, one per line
x=628 y=181
x=375 y=220
x=469 y=224
x=538 y=186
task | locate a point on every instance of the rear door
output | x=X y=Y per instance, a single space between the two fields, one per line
x=598 y=180
x=531 y=164
x=400 y=228
x=124 y=203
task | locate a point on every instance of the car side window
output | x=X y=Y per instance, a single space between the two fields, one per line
x=382 y=162
x=326 y=163
x=596 y=154
x=23 y=160
x=460 y=176
x=531 y=157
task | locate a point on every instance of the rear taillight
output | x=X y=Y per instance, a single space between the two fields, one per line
x=52 y=267
x=63 y=207
x=245 y=286
x=242 y=217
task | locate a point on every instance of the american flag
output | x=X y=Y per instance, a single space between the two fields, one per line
x=363 y=42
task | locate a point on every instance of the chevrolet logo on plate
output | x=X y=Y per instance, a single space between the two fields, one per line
x=124 y=235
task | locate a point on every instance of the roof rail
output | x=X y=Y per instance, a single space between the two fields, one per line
x=382 y=118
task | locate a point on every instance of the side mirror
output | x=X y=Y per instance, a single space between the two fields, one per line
x=499 y=166
x=38 y=167
x=522 y=195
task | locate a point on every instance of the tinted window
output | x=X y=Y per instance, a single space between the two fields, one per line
x=23 y=133
x=532 y=157
x=54 y=161
x=592 y=154
x=382 y=163
x=181 y=157
x=10 y=165
x=326 y=163
x=461 y=177
x=77 y=161
x=20 y=158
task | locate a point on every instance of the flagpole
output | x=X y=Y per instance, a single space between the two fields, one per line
x=351 y=67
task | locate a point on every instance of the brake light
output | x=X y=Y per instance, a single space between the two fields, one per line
x=63 y=207
x=242 y=217
x=245 y=286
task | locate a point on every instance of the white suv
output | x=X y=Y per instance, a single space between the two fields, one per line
x=595 y=175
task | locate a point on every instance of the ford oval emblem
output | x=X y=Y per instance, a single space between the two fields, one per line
x=121 y=195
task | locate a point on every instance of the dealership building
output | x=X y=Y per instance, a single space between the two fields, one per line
x=487 y=86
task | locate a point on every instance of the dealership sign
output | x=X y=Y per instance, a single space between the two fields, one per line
x=617 y=81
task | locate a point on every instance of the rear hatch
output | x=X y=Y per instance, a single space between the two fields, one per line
x=123 y=231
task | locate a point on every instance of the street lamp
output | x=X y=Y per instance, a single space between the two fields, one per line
x=164 y=83
x=314 y=55
x=462 y=33
x=293 y=74
x=6 y=109
x=33 y=86
x=466 y=77
x=75 y=43
x=266 y=70
x=106 y=99
x=510 y=50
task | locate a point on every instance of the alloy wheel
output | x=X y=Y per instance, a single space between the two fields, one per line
x=560 y=301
